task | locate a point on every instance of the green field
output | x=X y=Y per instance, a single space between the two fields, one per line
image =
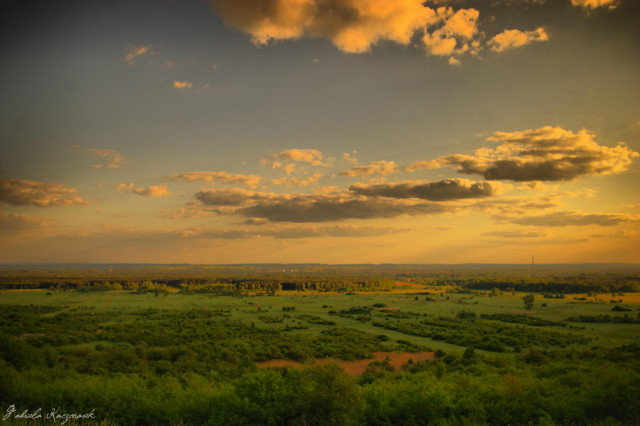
x=445 y=304
x=153 y=358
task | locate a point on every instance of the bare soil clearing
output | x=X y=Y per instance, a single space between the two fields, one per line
x=356 y=368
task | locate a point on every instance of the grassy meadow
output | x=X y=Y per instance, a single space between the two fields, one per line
x=169 y=356
x=447 y=304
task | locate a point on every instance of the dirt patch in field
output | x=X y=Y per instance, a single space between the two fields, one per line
x=25 y=335
x=391 y=308
x=356 y=368
x=403 y=283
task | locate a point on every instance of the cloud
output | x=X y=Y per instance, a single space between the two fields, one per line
x=322 y=206
x=352 y=25
x=21 y=192
x=182 y=84
x=375 y=167
x=113 y=157
x=449 y=189
x=509 y=39
x=134 y=51
x=536 y=185
x=296 y=232
x=544 y=154
x=161 y=190
x=311 y=156
x=501 y=207
x=573 y=218
x=121 y=215
x=455 y=35
x=349 y=157
x=230 y=197
x=518 y=234
x=421 y=165
x=11 y=224
x=310 y=208
x=355 y=26
x=289 y=182
x=251 y=181
x=286 y=159
x=617 y=234
x=592 y=4
x=192 y=210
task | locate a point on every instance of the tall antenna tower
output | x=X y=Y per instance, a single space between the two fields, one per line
x=533 y=262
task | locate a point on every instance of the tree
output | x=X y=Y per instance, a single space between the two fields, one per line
x=528 y=301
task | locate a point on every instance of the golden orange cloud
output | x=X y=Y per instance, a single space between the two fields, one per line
x=375 y=167
x=21 y=192
x=134 y=51
x=161 y=190
x=509 y=39
x=182 y=84
x=544 y=154
x=114 y=158
x=592 y=4
x=251 y=181
x=352 y=25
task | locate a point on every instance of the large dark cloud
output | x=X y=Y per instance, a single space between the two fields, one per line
x=449 y=189
x=319 y=207
x=231 y=196
x=21 y=192
x=327 y=209
x=544 y=154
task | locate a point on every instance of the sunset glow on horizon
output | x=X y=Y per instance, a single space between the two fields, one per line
x=340 y=131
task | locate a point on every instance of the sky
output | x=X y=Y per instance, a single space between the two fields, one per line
x=320 y=131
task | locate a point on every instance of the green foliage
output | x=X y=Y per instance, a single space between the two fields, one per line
x=528 y=301
x=358 y=313
x=624 y=319
x=486 y=335
x=521 y=319
x=195 y=364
